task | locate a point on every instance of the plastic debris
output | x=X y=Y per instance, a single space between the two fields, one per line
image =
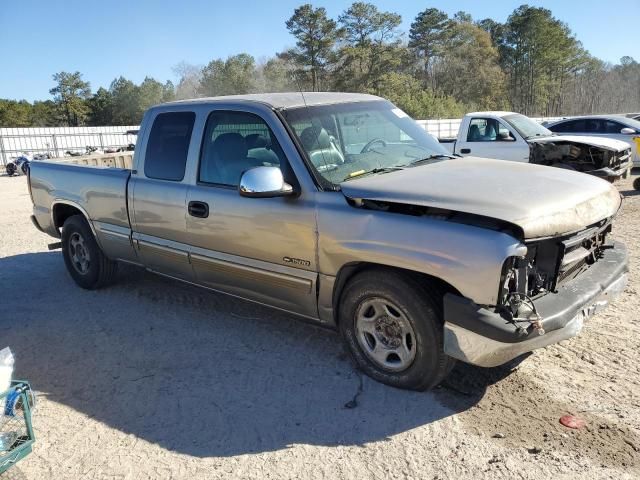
x=571 y=421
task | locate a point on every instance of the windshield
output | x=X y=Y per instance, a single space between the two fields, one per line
x=347 y=140
x=526 y=127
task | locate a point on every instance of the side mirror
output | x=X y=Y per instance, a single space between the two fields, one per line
x=264 y=182
x=628 y=131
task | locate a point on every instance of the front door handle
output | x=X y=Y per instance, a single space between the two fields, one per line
x=199 y=209
x=465 y=150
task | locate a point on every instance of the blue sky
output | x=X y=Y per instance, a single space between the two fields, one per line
x=106 y=39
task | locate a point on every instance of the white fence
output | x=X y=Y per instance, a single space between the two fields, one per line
x=56 y=141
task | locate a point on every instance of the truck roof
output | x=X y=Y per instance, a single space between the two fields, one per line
x=289 y=99
x=489 y=114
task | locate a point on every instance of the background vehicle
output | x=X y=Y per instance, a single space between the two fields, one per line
x=511 y=136
x=18 y=166
x=341 y=209
x=617 y=127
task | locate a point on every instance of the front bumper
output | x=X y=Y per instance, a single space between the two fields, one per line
x=609 y=172
x=480 y=336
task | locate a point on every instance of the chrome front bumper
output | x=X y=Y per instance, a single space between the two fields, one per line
x=482 y=337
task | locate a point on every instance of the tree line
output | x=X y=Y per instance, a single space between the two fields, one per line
x=442 y=67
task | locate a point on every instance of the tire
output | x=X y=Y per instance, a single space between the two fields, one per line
x=636 y=183
x=374 y=309
x=10 y=168
x=85 y=262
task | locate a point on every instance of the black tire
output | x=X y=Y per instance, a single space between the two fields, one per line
x=99 y=271
x=10 y=168
x=421 y=307
x=636 y=183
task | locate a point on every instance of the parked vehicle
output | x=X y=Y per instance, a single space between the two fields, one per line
x=617 y=127
x=341 y=209
x=511 y=136
x=18 y=166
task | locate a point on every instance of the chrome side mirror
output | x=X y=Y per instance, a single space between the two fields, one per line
x=264 y=182
x=628 y=131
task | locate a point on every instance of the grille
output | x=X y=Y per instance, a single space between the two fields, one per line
x=581 y=251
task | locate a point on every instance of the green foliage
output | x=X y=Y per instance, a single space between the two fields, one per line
x=228 y=77
x=539 y=54
x=428 y=38
x=278 y=75
x=370 y=48
x=471 y=50
x=408 y=94
x=70 y=94
x=316 y=35
x=15 y=113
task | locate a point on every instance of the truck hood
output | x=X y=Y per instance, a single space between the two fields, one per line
x=542 y=201
x=601 y=142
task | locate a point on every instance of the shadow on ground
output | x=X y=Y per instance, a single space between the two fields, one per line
x=197 y=372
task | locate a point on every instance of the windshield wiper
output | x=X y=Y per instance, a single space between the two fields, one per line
x=437 y=156
x=360 y=173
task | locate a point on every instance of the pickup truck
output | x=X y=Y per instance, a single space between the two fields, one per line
x=341 y=209
x=511 y=136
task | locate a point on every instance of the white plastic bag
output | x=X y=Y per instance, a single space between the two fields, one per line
x=6 y=368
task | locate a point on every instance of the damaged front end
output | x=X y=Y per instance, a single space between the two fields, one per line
x=544 y=297
x=582 y=157
x=548 y=264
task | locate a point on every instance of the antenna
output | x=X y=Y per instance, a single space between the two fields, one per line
x=306 y=106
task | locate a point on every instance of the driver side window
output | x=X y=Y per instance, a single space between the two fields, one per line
x=233 y=143
x=483 y=130
x=488 y=130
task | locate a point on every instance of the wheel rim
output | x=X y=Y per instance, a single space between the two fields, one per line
x=385 y=334
x=79 y=254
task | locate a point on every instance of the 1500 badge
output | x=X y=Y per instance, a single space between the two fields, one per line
x=297 y=261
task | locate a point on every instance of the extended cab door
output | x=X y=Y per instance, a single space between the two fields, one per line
x=490 y=138
x=159 y=190
x=263 y=249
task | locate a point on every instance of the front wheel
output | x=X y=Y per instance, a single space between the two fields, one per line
x=85 y=262
x=636 y=183
x=393 y=328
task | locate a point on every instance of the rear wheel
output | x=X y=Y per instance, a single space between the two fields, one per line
x=393 y=329
x=636 y=183
x=10 y=168
x=85 y=262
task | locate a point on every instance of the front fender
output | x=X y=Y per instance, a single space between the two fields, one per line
x=469 y=258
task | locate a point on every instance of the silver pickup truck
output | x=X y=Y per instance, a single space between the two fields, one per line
x=341 y=209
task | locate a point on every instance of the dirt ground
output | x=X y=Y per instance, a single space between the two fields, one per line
x=154 y=379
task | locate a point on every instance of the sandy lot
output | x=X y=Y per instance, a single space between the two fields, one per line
x=154 y=379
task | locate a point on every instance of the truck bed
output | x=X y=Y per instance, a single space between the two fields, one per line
x=112 y=160
x=100 y=191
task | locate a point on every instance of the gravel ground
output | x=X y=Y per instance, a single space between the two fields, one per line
x=154 y=379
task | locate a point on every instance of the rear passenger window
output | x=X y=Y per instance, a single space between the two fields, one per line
x=568 y=127
x=168 y=145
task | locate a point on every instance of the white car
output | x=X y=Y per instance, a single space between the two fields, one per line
x=617 y=127
x=515 y=137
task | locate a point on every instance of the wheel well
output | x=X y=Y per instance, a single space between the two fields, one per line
x=347 y=272
x=62 y=211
